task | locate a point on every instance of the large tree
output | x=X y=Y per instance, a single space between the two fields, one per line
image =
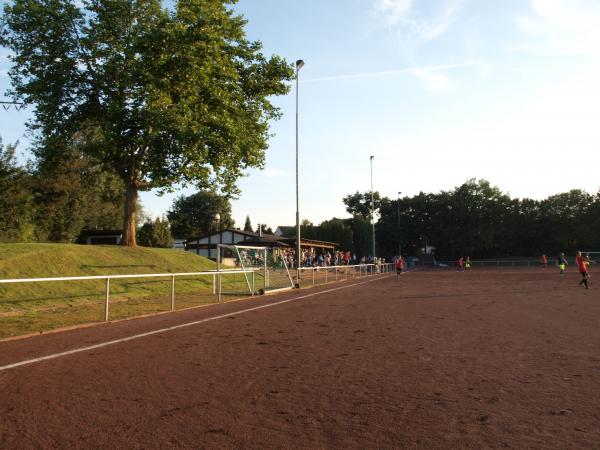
x=162 y=96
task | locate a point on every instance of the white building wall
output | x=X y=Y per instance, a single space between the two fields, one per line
x=225 y=237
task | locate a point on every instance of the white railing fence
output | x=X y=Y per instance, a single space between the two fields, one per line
x=331 y=274
x=326 y=274
x=216 y=281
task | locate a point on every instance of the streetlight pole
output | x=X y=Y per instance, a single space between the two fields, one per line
x=299 y=64
x=218 y=220
x=399 y=244
x=372 y=208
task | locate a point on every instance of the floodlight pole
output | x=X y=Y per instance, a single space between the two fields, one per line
x=372 y=208
x=299 y=64
x=218 y=219
x=7 y=105
x=399 y=244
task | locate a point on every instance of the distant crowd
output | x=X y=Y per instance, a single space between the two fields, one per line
x=312 y=258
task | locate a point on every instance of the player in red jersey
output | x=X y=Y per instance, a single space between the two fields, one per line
x=460 y=264
x=583 y=270
x=399 y=266
x=544 y=261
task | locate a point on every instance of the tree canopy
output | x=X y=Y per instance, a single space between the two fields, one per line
x=195 y=215
x=72 y=195
x=155 y=234
x=479 y=220
x=159 y=96
x=15 y=200
x=359 y=204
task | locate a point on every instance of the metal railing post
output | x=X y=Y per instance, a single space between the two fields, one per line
x=253 y=288
x=326 y=273
x=220 y=286
x=313 y=276
x=265 y=274
x=106 y=299
x=173 y=293
x=336 y=274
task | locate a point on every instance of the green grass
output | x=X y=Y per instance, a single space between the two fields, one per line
x=36 y=307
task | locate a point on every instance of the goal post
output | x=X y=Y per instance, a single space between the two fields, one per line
x=259 y=269
x=277 y=274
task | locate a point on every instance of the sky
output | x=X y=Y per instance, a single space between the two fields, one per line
x=438 y=91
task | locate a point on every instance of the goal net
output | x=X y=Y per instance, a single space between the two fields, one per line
x=250 y=270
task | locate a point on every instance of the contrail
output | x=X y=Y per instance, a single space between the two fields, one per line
x=394 y=72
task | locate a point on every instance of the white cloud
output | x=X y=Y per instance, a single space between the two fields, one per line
x=434 y=81
x=561 y=27
x=273 y=172
x=394 y=10
x=405 y=18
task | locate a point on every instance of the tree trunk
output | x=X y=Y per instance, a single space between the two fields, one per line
x=129 y=223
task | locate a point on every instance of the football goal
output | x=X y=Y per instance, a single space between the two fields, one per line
x=251 y=270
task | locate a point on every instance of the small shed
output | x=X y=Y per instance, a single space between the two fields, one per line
x=100 y=237
x=207 y=245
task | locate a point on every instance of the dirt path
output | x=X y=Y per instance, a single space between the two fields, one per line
x=433 y=360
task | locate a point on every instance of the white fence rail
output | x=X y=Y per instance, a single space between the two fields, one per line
x=216 y=275
x=343 y=272
x=338 y=273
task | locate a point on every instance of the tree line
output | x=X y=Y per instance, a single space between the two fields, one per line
x=52 y=202
x=479 y=220
x=48 y=201
x=474 y=219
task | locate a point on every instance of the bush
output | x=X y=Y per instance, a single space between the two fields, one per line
x=155 y=234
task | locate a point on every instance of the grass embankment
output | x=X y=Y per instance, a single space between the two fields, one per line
x=34 y=307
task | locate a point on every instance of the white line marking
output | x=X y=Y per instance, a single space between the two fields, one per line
x=174 y=327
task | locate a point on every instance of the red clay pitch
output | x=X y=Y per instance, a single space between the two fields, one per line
x=488 y=358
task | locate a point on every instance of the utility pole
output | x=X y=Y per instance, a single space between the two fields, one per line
x=372 y=208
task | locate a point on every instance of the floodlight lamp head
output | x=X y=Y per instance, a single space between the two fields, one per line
x=299 y=64
x=371 y=158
